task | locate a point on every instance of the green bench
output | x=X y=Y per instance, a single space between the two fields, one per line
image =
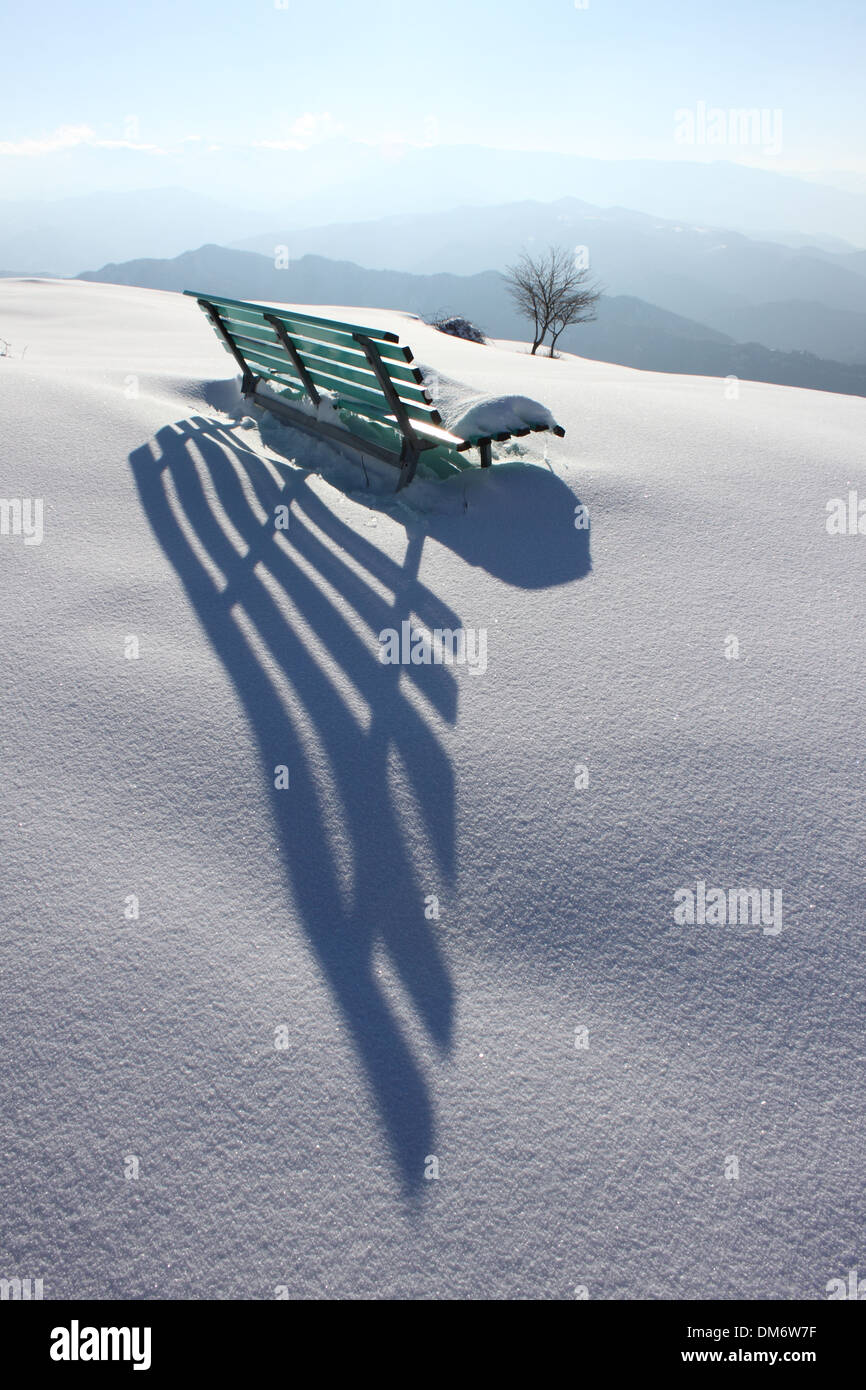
x=355 y=386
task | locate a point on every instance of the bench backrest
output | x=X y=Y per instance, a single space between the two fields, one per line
x=365 y=369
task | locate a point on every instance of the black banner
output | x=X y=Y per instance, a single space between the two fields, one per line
x=160 y=1339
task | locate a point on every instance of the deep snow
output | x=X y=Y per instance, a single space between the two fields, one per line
x=561 y=1167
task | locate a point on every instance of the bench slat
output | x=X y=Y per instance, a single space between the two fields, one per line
x=347 y=393
x=318 y=335
x=305 y=325
x=376 y=412
x=408 y=389
x=299 y=329
x=314 y=364
x=301 y=317
x=351 y=357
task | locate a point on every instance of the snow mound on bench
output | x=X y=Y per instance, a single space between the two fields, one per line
x=501 y=415
x=475 y=414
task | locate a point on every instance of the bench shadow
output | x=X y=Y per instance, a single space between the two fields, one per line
x=264 y=612
x=294 y=617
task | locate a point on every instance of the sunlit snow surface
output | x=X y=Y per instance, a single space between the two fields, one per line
x=282 y=1039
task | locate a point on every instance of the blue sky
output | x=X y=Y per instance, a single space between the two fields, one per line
x=603 y=81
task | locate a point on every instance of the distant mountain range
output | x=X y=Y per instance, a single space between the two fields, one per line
x=716 y=193
x=235 y=191
x=789 y=297
x=70 y=234
x=806 y=299
x=629 y=330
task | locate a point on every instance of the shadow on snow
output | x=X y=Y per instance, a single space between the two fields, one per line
x=259 y=596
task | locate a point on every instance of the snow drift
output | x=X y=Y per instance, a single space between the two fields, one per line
x=364 y=979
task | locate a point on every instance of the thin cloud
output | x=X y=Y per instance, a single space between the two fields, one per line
x=309 y=129
x=303 y=133
x=69 y=137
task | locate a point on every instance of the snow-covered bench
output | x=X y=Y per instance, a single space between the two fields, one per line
x=356 y=386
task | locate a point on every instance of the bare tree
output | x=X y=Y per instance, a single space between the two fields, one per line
x=552 y=291
x=577 y=304
x=528 y=287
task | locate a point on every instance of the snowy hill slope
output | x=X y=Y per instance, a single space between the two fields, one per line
x=244 y=1087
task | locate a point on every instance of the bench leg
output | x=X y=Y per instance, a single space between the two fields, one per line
x=408 y=463
x=485 y=447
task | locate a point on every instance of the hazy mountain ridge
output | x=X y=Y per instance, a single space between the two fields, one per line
x=232 y=194
x=788 y=297
x=338 y=179
x=70 y=234
x=713 y=275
